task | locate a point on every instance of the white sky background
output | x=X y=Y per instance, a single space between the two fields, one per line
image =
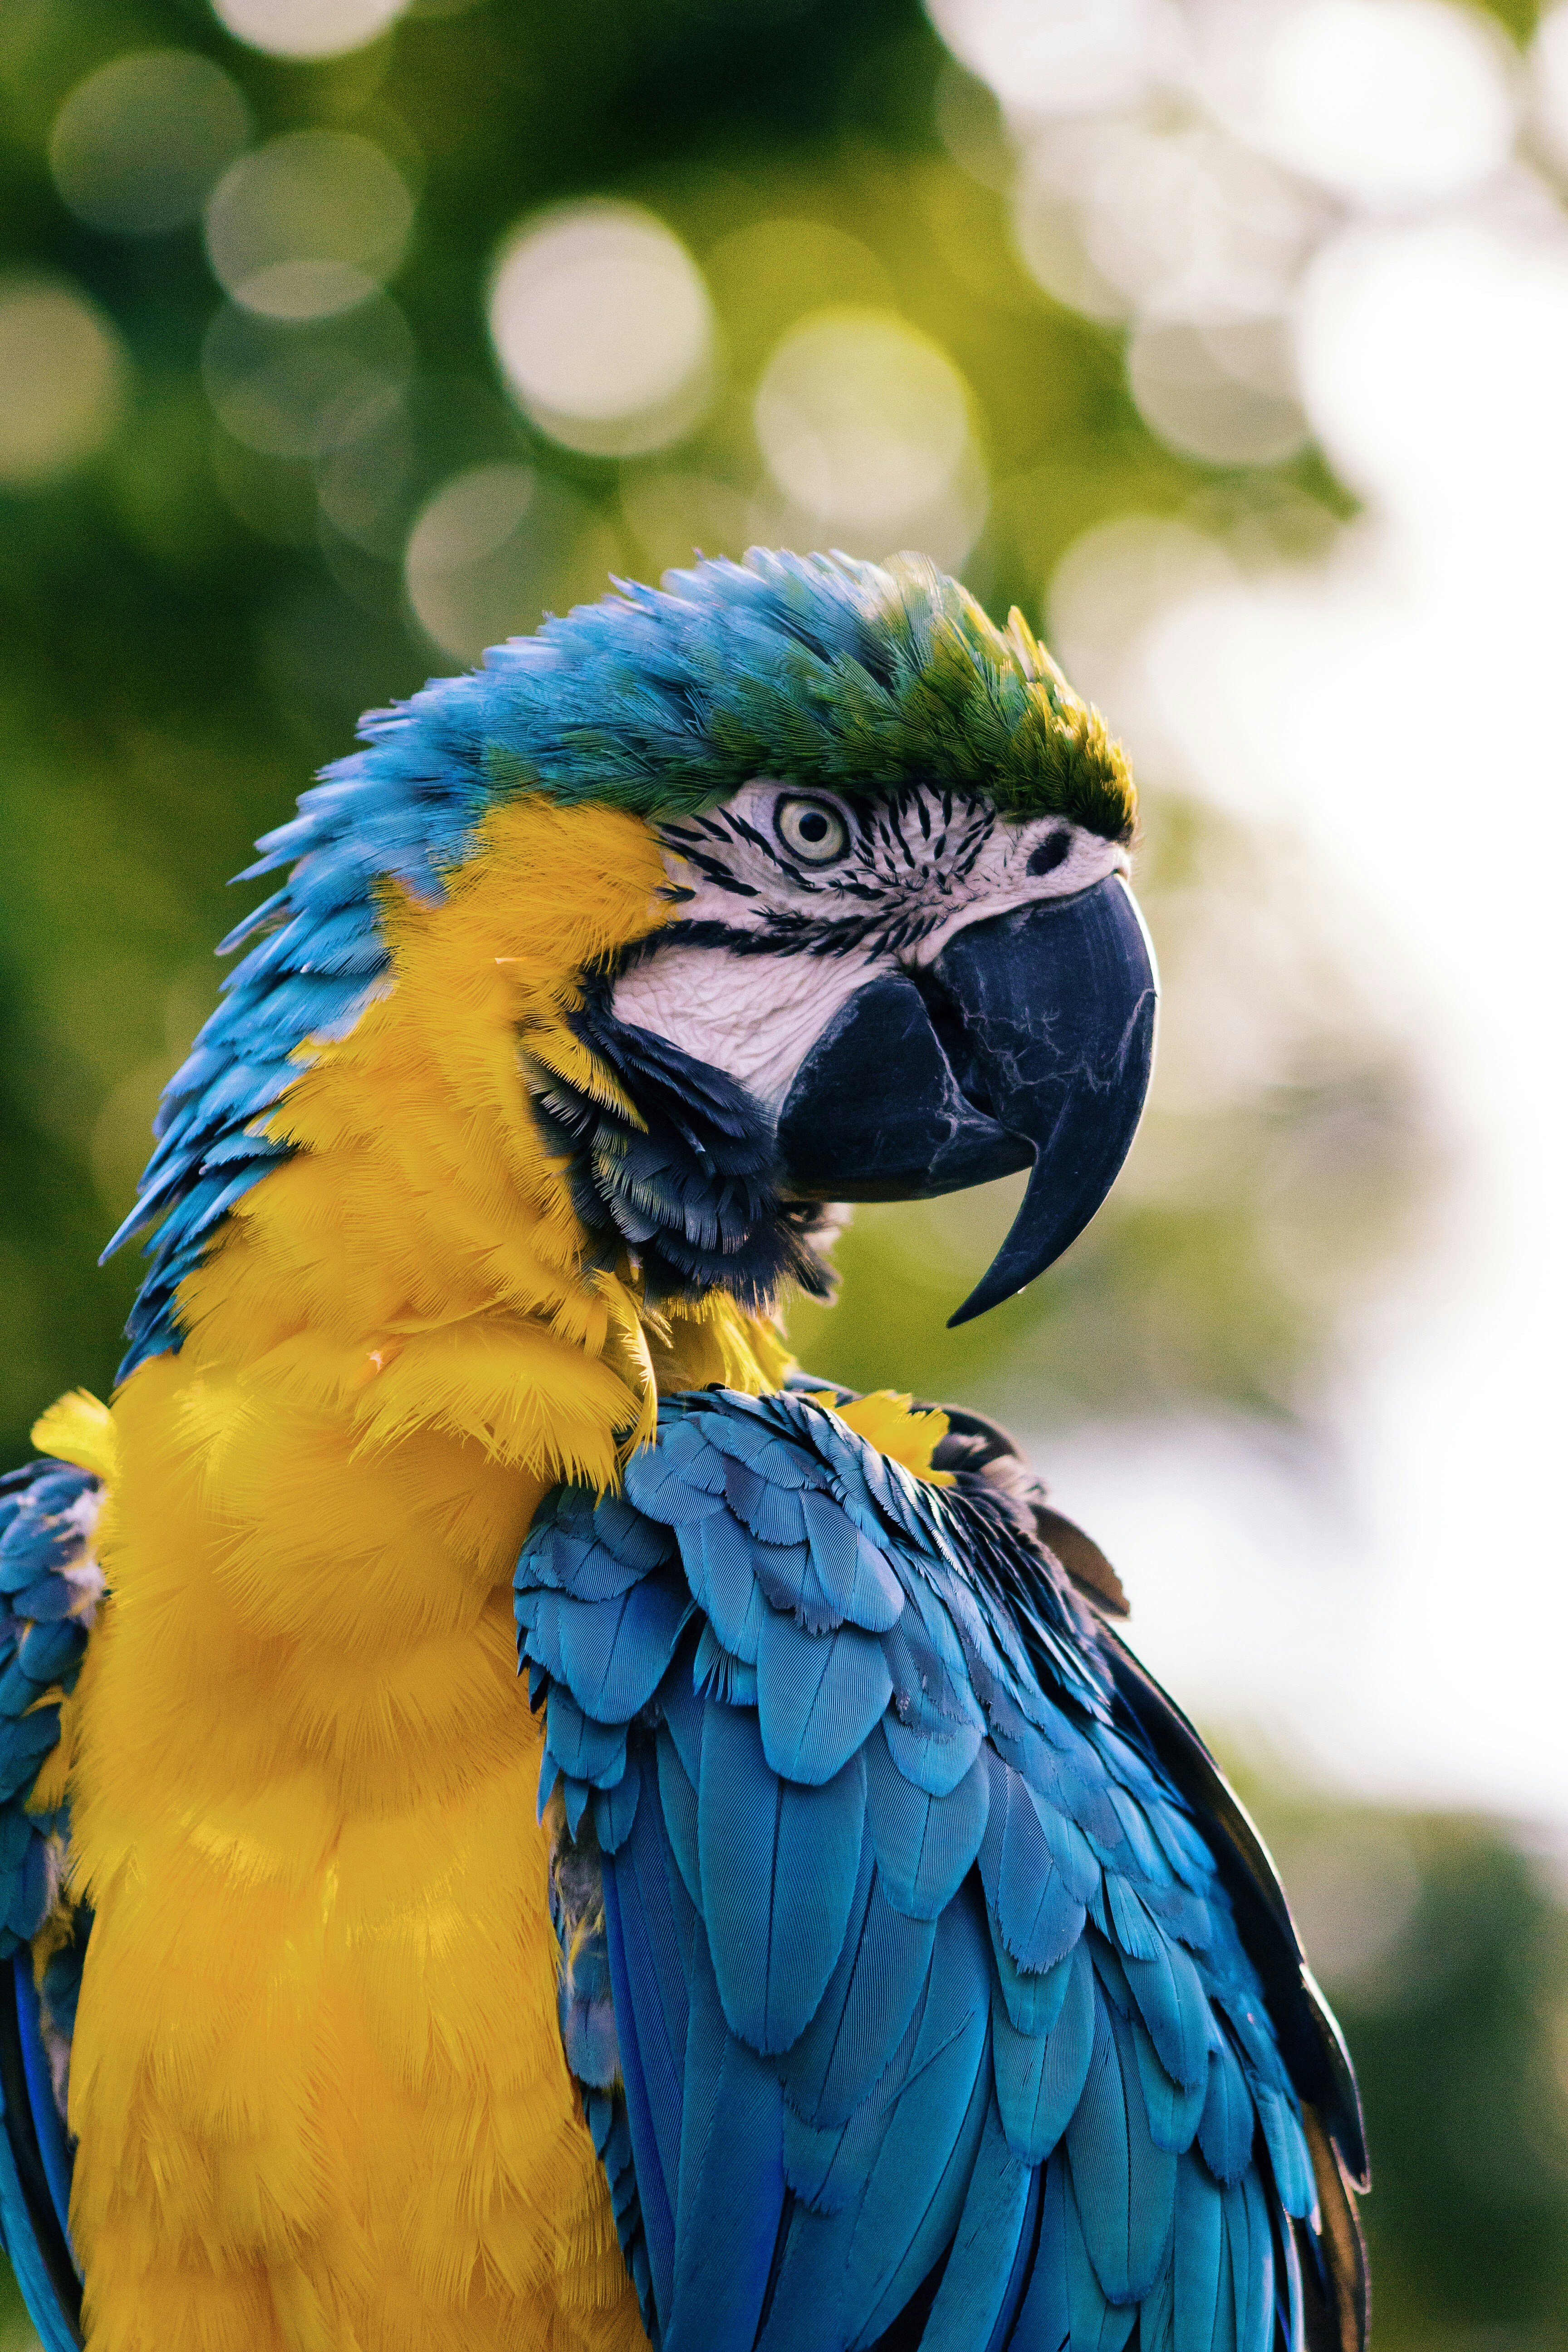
x=1401 y=1626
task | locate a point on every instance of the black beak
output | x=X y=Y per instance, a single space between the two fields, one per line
x=1030 y=1037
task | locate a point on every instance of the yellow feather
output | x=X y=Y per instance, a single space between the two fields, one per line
x=78 y=1428
x=890 y=1421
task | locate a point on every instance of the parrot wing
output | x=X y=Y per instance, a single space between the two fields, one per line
x=49 y=1588
x=902 y=1984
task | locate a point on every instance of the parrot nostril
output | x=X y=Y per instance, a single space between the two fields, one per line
x=1048 y=854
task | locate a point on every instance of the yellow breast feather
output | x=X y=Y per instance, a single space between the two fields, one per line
x=317 y=2078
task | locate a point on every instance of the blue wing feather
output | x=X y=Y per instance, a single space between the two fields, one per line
x=719 y=1674
x=681 y=1713
x=614 y=1811
x=827 y=2167
x=1040 y=2077
x=1228 y=2122
x=1065 y=2308
x=1071 y=1850
x=721 y=1566
x=1204 y=2307
x=731 y=2181
x=862 y=2017
x=1133 y=1928
x=925 y=1981
x=886 y=2220
x=855 y=1573
x=926 y=1844
x=1125 y=2184
x=1040 y=1917
x=1251 y=2263
x=1286 y=2149
x=40 y=2291
x=584 y=1751
x=778 y=1864
x=935 y=1763
x=914 y=2164
x=1033 y=2002
x=1173 y=2112
x=613 y=1656
x=679 y=1799
x=1173 y=2004
x=819 y=1696
x=652 y=2041
x=774 y=1514
x=983 y=2270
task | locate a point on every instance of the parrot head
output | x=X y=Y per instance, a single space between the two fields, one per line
x=901 y=958
x=881 y=943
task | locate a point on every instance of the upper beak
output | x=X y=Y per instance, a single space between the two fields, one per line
x=1030 y=1037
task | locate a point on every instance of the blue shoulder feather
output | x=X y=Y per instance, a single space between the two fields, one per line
x=927 y=1984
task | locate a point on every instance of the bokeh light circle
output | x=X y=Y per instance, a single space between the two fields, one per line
x=1179 y=220
x=310 y=224
x=307 y=28
x=63 y=380
x=495 y=548
x=861 y=419
x=296 y=391
x=1110 y=590
x=404 y=446
x=1063 y=56
x=1225 y=394
x=1386 y=102
x=136 y=146
x=602 y=327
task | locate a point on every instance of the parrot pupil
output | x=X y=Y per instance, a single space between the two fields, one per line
x=814 y=827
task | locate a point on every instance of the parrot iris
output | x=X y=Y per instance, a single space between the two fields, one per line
x=835 y=1940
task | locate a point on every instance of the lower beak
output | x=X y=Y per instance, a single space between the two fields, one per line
x=1029 y=1038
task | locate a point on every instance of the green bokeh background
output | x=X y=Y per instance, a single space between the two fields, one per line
x=183 y=641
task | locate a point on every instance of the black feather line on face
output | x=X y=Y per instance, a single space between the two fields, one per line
x=694 y=1193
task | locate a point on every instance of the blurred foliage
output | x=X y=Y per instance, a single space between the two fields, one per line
x=1444 y=1949
x=15 y=2330
x=1519 y=18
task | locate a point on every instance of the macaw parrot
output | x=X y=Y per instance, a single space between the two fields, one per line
x=835 y=1939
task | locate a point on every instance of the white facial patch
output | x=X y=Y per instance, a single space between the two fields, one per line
x=755 y=1017
x=793 y=899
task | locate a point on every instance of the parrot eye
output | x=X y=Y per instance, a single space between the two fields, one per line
x=811 y=831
